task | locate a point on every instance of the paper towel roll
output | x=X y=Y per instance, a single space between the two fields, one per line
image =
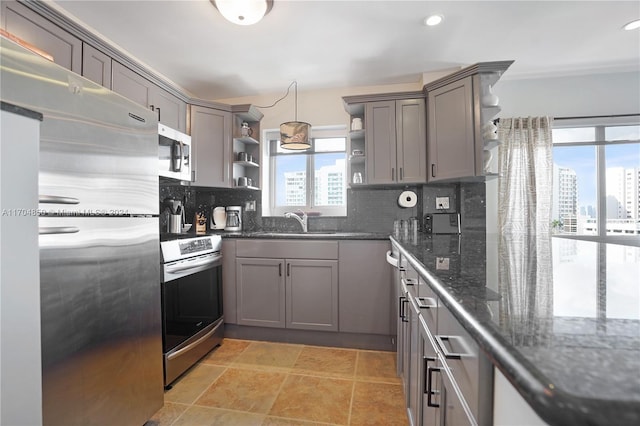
x=408 y=199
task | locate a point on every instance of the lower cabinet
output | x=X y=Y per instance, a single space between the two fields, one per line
x=260 y=292
x=287 y=293
x=297 y=287
x=364 y=290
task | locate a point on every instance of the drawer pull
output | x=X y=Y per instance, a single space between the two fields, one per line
x=452 y=355
x=426 y=302
x=425 y=368
x=409 y=281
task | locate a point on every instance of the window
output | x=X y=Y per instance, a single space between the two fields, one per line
x=313 y=180
x=596 y=177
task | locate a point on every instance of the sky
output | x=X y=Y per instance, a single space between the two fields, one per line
x=582 y=159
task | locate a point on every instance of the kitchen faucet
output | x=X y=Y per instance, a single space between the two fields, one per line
x=302 y=220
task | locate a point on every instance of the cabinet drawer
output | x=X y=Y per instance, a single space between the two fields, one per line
x=464 y=360
x=287 y=249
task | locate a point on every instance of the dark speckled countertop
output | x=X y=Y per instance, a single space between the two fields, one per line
x=559 y=317
x=324 y=235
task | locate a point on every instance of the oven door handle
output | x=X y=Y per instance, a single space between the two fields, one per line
x=213 y=262
x=193 y=344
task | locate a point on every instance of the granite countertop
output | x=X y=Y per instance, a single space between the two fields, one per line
x=559 y=317
x=278 y=235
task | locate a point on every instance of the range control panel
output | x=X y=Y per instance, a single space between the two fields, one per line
x=195 y=246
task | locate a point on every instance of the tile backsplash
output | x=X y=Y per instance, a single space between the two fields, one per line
x=368 y=209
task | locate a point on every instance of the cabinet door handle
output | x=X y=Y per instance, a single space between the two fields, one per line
x=158 y=111
x=279 y=269
x=401 y=174
x=433 y=170
x=425 y=360
x=288 y=269
x=393 y=173
x=430 y=390
x=401 y=310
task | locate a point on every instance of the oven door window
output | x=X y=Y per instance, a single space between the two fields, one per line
x=191 y=303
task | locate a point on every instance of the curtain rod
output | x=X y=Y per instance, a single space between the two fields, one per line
x=497 y=120
x=596 y=116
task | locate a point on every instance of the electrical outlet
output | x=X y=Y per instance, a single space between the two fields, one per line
x=442 y=203
x=250 y=206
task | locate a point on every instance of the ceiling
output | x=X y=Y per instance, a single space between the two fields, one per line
x=333 y=44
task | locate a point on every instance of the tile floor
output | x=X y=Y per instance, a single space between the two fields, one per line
x=260 y=383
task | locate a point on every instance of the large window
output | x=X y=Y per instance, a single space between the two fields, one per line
x=596 y=177
x=314 y=180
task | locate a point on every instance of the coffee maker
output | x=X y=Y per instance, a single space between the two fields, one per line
x=234 y=218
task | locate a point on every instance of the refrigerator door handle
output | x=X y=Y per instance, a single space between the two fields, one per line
x=48 y=230
x=54 y=199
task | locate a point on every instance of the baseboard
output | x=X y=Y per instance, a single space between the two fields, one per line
x=307 y=337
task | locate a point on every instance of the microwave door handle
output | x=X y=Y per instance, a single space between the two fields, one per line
x=181 y=145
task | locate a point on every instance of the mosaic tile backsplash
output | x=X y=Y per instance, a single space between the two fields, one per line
x=368 y=209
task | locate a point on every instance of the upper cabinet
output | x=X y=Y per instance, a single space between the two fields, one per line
x=96 y=66
x=392 y=147
x=170 y=110
x=211 y=144
x=26 y=24
x=461 y=134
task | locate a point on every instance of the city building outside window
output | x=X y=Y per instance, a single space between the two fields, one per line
x=596 y=177
x=313 y=180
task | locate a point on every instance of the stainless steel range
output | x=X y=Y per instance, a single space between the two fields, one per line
x=192 y=321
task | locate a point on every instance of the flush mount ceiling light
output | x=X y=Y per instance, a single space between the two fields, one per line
x=243 y=12
x=433 y=20
x=294 y=134
x=633 y=25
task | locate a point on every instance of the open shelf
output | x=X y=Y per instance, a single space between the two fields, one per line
x=246 y=163
x=247 y=139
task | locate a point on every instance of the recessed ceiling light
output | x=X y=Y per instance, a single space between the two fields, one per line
x=632 y=25
x=433 y=20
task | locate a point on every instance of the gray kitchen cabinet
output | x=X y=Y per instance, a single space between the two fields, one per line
x=451 y=131
x=26 y=24
x=312 y=294
x=296 y=287
x=170 y=110
x=260 y=292
x=396 y=141
x=459 y=146
x=364 y=292
x=211 y=144
x=96 y=66
x=229 y=294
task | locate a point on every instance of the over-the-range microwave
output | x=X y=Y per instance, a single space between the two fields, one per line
x=174 y=153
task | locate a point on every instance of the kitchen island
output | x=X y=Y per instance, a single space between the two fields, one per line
x=559 y=318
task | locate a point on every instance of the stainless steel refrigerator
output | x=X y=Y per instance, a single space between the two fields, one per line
x=98 y=244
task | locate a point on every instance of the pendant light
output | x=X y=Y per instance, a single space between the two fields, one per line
x=294 y=135
x=243 y=12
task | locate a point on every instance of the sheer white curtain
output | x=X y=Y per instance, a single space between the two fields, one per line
x=526 y=165
x=524 y=214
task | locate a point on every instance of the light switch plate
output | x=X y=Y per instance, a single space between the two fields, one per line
x=442 y=203
x=442 y=263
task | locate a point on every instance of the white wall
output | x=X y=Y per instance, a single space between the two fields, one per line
x=583 y=95
x=319 y=107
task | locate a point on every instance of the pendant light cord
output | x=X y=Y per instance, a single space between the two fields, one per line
x=294 y=82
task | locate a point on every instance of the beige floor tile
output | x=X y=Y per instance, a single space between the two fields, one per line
x=243 y=390
x=378 y=404
x=331 y=362
x=204 y=416
x=168 y=414
x=227 y=352
x=266 y=355
x=376 y=366
x=189 y=387
x=313 y=398
x=279 y=421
